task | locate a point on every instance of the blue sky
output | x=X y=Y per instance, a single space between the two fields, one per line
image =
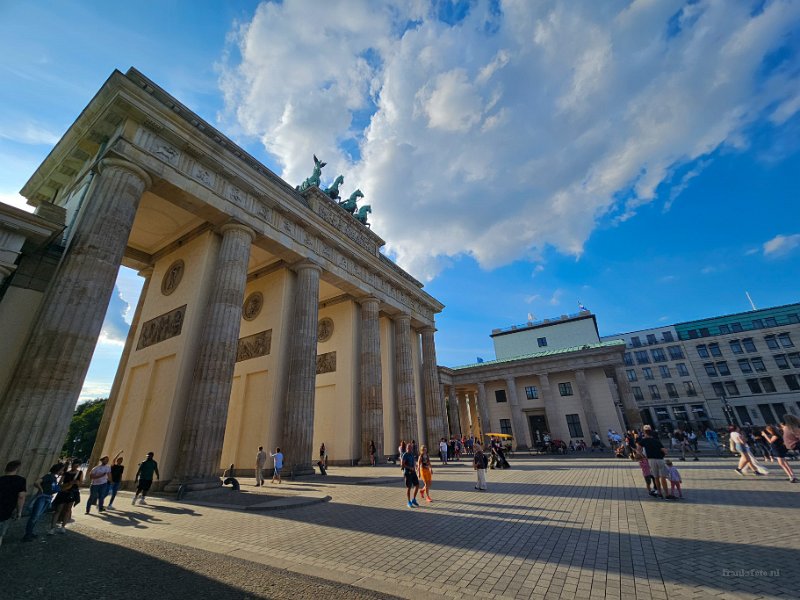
x=519 y=157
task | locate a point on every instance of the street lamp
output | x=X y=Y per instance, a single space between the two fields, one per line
x=728 y=409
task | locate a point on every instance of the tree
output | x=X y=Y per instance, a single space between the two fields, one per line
x=83 y=429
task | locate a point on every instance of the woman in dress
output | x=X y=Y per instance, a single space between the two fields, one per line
x=425 y=473
x=778 y=450
x=323 y=455
x=65 y=499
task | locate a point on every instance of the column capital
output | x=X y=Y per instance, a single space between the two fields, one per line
x=108 y=163
x=481 y=387
x=427 y=329
x=511 y=381
x=368 y=300
x=146 y=272
x=402 y=317
x=236 y=226
x=306 y=265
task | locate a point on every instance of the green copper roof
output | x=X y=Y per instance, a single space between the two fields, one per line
x=611 y=344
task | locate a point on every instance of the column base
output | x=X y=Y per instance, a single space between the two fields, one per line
x=297 y=471
x=194 y=485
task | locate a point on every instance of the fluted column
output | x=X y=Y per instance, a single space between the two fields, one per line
x=371 y=380
x=520 y=431
x=206 y=414
x=482 y=409
x=546 y=394
x=454 y=413
x=404 y=379
x=298 y=414
x=113 y=396
x=463 y=413
x=434 y=404
x=42 y=393
x=586 y=401
x=632 y=414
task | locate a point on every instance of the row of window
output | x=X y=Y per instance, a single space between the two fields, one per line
x=680 y=413
x=532 y=392
x=736 y=327
x=760 y=385
x=664 y=371
x=774 y=342
x=573 y=424
x=658 y=354
x=666 y=336
x=672 y=391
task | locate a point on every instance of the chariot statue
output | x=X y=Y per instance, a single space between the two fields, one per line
x=333 y=190
x=361 y=215
x=315 y=176
x=350 y=204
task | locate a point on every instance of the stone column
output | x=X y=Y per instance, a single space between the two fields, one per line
x=482 y=409
x=200 y=449
x=546 y=394
x=434 y=404
x=454 y=413
x=518 y=425
x=586 y=402
x=42 y=393
x=371 y=381
x=298 y=413
x=404 y=379
x=629 y=406
x=463 y=413
x=111 y=404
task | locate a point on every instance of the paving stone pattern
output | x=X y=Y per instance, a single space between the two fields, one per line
x=548 y=528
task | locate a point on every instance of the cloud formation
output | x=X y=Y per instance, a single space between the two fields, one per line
x=516 y=127
x=781 y=245
x=115 y=327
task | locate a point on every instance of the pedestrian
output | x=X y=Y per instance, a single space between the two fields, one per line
x=401 y=449
x=655 y=453
x=746 y=459
x=692 y=437
x=98 y=490
x=425 y=473
x=713 y=439
x=644 y=465
x=778 y=450
x=443 y=451
x=479 y=464
x=674 y=479
x=67 y=497
x=372 y=451
x=12 y=496
x=684 y=444
x=116 y=478
x=596 y=442
x=261 y=461
x=278 y=458
x=790 y=427
x=144 y=478
x=43 y=500
x=408 y=466
x=323 y=455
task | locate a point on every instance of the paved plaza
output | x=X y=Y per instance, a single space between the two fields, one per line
x=571 y=527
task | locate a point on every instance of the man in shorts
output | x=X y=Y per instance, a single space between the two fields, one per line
x=410 y=474
x=144 y=478
x=655 y=452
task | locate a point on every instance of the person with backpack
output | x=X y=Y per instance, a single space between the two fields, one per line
x=479 y=464
x=46 y=488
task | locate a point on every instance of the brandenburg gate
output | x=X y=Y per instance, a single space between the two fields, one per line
x=268 y=314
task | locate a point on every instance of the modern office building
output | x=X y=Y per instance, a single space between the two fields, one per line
x=739 y=368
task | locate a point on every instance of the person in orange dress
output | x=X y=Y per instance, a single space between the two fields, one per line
x=425 y=472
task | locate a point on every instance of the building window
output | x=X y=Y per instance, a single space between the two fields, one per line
x=793 y=318
x=675 y=352
x=758 y=323
x=754 y=387
x=719 y=389
x=724 y=329
x=702 y=351
x=704 y=332
x=665 y=374
x=658 y=355
x=731 y=388
x=785 y=340
x=722 y=367
x=683 y=371
x=771 y=322
x=692 y=333
x=769 y=387
x=780 y=360
x=662 y=414
x=667 y=336
x=772 y=343
x=711 y=370
x=744 y=365
x=642 y=358
x=531 y=393
x=631 y=373
x=628 y=359
x=792 y=382
x=635 y=341
x=647 y=372
x=680 y=414
x=690 y=391
x=749 y=345
x=736 y=346
x=565 y=389
x=758 y=364
x=500 y=395
x=574 y=425
x=505 y=426
x=736 y=327
x=714 y=349
x=542 y=342
x=794 y=358
x=699 y=411
x=651 y=339
x=654 y=393
x=672 y=391
x=637 y=392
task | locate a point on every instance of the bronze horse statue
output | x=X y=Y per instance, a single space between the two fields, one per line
x=350 y=204
x=333 y=190
x=315 y=176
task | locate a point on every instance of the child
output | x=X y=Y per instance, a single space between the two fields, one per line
x=644 y=465
x=674 y=478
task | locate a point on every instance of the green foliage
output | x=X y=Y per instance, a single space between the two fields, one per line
x=83 y=429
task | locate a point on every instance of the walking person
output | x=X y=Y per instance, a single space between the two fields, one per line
x=425 y=473
x=323 y=455
x=261 y=461
x=98 y=490
x=144 y=478
x=778 y=449
x=443 y=451
x=713 y=439
x=67 y=497
x=43 y=500
x=674 y=479
x=655 y=453
x=740 y=446
x=479 y=464
x=790 y=428
x=372 y=451
x=644 y=465
x=407 y=464
x=12 y=496
x=278 y=458
x=116 y=478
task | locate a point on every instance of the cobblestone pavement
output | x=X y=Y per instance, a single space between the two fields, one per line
x=569 y=527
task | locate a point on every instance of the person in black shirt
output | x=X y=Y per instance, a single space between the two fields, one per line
x=12 y=496
x=116 y=477
x=655 y=453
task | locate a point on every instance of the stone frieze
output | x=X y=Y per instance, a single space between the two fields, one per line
x=162 y=328
x=253 y=346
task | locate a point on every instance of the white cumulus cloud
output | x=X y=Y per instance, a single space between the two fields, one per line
x=781 y=245
x=516 y=128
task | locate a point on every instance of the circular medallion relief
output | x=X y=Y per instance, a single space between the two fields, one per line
x=252 y=306
x=172 y=277
x=324 y=329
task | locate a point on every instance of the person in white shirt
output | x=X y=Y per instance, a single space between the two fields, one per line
x=740 y=446
x=443 y=451
x=100 y=477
